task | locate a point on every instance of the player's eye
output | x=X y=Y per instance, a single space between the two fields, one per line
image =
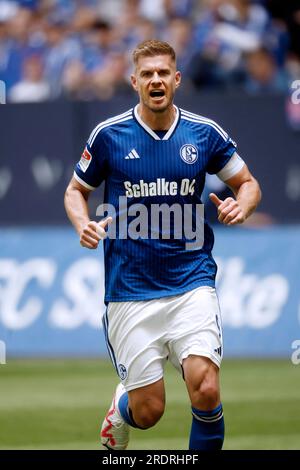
x=146 y=74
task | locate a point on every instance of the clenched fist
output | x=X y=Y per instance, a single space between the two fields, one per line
x=93 y=232
x=229 y=210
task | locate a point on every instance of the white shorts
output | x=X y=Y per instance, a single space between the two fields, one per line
x=142 y=335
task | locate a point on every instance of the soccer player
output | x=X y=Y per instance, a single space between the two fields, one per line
x=159 y=290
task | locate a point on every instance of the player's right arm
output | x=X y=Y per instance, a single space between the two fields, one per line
x=89 y=172
x=76 y=205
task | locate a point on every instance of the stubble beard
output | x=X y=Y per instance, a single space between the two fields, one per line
x=160 y=110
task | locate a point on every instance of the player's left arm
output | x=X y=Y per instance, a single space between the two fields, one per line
x=247 y=194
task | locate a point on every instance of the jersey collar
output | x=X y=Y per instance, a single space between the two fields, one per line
x=150 y=131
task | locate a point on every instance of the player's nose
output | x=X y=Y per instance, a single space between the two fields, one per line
x=156 y=78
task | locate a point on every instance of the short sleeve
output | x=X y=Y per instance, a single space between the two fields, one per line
x=231 y=168
x=91 y=169
x=221 y=149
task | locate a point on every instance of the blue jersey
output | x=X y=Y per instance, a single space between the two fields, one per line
x=146 y=169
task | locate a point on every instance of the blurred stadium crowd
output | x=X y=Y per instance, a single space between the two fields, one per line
x=80 y=49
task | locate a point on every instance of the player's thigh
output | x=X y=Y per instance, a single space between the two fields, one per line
x=135 y=340
x=195 y=327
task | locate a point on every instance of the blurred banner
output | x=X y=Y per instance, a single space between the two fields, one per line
x=51 y=292
x=40 y=144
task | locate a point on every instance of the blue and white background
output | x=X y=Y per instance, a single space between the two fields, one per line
x=51 y=292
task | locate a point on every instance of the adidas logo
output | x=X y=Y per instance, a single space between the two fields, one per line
x=132 y=155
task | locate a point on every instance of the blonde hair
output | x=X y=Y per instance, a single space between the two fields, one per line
x=152 y=48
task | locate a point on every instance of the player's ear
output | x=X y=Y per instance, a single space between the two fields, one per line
x=177 y=78
x=133 y=82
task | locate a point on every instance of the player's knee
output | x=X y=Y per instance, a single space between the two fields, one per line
x=148 y=414
x=209 y=394
x=205 y=393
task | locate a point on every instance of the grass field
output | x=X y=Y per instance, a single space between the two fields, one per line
x=58 y=404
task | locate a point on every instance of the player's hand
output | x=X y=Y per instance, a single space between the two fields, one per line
x=229 y=210
x=93 y=232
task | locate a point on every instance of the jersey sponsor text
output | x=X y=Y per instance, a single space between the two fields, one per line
x=160 y=187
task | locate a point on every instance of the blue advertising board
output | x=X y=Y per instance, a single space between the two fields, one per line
x=51 y=292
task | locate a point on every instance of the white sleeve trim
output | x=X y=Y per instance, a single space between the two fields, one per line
x=86 y=185
x=231 y=168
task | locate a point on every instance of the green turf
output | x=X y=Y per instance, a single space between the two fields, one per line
x=58 y=404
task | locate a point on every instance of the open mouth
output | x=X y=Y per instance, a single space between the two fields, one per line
x=157 y=93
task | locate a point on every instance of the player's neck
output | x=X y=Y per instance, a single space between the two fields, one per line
x=157 y=121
